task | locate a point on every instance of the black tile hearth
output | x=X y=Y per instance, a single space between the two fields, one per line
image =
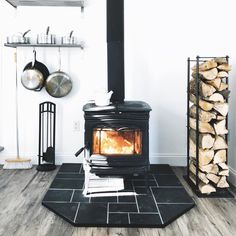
x=149 y=220
x=118 y=218
x=67 y=183
x=92 y=214
x=79 y=197
x=58 y=195
x=165 y=201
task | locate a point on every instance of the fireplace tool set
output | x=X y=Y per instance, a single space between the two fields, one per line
x=47 y=125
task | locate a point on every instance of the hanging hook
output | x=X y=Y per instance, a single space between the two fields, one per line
x=34 y=57
x=59 y=52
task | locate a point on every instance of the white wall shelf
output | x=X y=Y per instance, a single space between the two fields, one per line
x=53 y=3
x=15 y=45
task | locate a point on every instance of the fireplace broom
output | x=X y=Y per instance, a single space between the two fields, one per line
x=17 y=163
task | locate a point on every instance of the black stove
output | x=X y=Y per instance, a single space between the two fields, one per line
x=117 y=137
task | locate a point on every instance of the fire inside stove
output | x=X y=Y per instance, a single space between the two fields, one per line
x=117 y=141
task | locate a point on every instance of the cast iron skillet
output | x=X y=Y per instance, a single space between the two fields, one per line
x=34 y=75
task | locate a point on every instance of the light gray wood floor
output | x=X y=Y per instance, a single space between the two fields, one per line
x=21 y=212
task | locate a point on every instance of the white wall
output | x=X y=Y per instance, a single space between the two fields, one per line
x=159 y=36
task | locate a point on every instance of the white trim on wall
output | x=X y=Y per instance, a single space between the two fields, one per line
x=172 y=159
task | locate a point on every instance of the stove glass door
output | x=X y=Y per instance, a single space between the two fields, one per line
x=117 y=141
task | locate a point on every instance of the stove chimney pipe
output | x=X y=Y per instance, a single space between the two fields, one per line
x=115 y=49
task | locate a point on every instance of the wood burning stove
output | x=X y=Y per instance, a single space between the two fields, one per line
x=117 y=136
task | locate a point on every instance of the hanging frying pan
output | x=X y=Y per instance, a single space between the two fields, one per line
x=34 y=75
x=59 y=83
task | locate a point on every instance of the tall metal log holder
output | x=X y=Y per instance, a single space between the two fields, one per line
x=220 y=192
x=47 y=125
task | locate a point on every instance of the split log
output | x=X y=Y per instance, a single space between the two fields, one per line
x=223 y=74
x=224 y=172
x=220 y=128
x=201 y=175
x=225 y=67
x=222 y=108
x=223 y=86
x=205 y=156
x=220 y=117
x=223 y=183
x=216 y=83
x=210 y=168
x=220 y=143
x=205 y=140
x=204 y=116
x=213 y=178
x=204 y=127
x=223 y=166
x=206 y=106
x=205 y=90
x=210 y=74
x=204 y=188
x=220 y=157
x=207 y=65
x=215 y=97
x=221 y=60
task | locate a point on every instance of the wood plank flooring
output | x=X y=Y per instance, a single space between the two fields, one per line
x=21 y=212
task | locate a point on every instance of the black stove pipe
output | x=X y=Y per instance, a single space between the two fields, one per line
x=115 y=49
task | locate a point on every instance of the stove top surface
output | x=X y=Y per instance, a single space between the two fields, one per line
x=126 y=106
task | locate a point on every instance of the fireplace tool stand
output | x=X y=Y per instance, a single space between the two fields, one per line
x=47 y=125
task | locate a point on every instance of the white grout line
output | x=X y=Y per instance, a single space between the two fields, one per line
x=62 y=189
x=72 y=195
x=173 y=203
x=74 y=172
x=76 y=212
x=108 y=213
x=135 y=197
x=157 y=206
x=133 y=212
x=56 y=201
x=80 y=169
x=71 y=178
x=128 y=218
x=155 y=180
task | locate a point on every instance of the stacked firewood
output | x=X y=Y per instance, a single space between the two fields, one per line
x=212 y=115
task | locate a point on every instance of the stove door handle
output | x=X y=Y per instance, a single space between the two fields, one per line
x=81 y=150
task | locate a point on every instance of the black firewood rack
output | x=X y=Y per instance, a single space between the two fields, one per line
x=220 y=192
x=47 y=130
